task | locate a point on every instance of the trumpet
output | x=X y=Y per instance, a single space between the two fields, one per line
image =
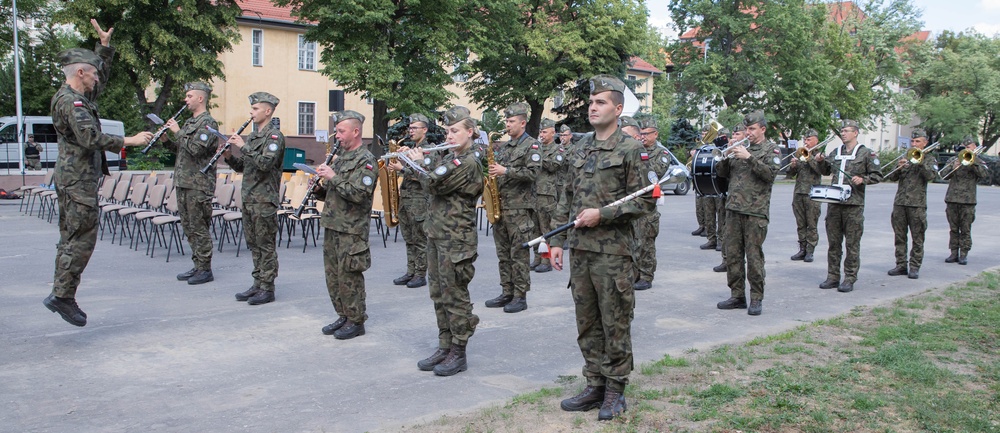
x=223 y=149
x=967 y=158
x=163 y=129
x=804 y=155
x=913 y=156
x=724 y=153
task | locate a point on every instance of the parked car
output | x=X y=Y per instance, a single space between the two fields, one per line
x=45 y=134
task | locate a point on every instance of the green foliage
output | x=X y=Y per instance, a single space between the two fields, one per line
x=41 y=75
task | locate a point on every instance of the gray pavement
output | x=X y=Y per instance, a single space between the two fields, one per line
x=160 y=355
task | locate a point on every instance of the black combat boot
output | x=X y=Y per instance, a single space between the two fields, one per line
x=914 y=273
x=708 y=245
x=499 y=301
x=349 y=331
x=201 y=277
x=590 y=398
x=755 y=307
x=846 y=286
x=732 y=304
x=720 y=268
x=261 y=297
x=329 y=329
x=454 y=363
x=417 y=281
x=535 y=262
x=543 y=268
x=963 y=257
x=802 y=252
x=642 y=285
x=809 y=254
x=953 y=257
x=185 y=275
x=614 y=405
x=67 y=308
x=897 y=271
x=830 y=283
x=698 y=231
x=247 y=294
x=405 y=278
x=427 y=364
x=516 y=305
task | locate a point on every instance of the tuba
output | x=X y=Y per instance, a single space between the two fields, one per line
x=389 y=184
x=491 y=193
x=711 y=133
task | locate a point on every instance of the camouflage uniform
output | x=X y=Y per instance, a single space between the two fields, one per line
x=346 y=220
x=747 y=213
x=647 y=227
x=454 y=185
x=412 y=211
x=195 y=147
x=960 y=202
x=33 y=156
x=806 y=211
x=522 y=159
x=260 y=162
x=847 y=220
x=909 y=210
x=78 y=170
x=601 y=263
x=546 y=188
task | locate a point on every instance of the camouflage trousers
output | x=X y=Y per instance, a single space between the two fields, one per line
x=195 y=209
x=514 y=228
x=605 y=306
x=33 y=163
x=711 y=209
x=345 y=258
x=844 y=222
x=647 y=228
x=545 y=206
x=720 y=218
x=806 y=213
x=960 y=218
x=411 y=221
x=78 y=226
x=913 y=220
x=744 y=247
x=699 y=210
x=260 y=226
x=451 y=269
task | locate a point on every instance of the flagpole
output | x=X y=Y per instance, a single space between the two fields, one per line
x=17 y=90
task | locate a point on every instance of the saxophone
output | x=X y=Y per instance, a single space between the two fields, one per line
x=491 y=193
x=389 y=186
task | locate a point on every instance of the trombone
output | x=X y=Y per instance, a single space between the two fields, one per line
x=913 y=156
x=804 y=155
x=967 y=158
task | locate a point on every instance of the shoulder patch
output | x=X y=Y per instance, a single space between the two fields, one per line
x=536 y=157
x=427 y=161
x=203 y=137
x=274 y=136
x=441 y=170
x=77 y=103
x=643 y=155
x=652 y=177
x=273 y=147
x=456 y=162
x=664 y=159
x=777 y=151
x=875 y=161
x=777 y=160
x=534 y=146
x=477 y=154
x=559 y=158
x=368 y=166
x=367 y=180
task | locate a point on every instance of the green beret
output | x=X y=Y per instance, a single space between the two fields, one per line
x=848 y=123
x=263 y=97
x=417 y=117
x=565 y=128
x=606 y=83
x=548 y=123
x=648 y=123
x=755 y=117
x=517 y=109
x=918 y=133
x=455 y=114
x=968 y=139
x=627 y=121
x=341 y=116
x=810 y=133
x=198 y=85
x=80 y=55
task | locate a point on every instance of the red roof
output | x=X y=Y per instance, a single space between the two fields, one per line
x=264 y=9
x=644 y=66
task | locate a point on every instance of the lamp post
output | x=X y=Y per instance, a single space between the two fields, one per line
x=705 y=62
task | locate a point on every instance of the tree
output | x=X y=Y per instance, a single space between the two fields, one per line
x=41 y=75
x=528 y=50
x=397 y=52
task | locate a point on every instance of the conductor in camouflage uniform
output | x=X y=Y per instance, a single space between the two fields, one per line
x=413 y=209
x=751 y=171
x=960 y=201
x=806 y=210
x=547 y=186
x=909 y=209
x=603 y=167
x=195 y=148
x=79 y=167
x=347 y=191
x=857 y=166
x=647 y=227
x=454 y=184
x=260 y=162
x=517 y=164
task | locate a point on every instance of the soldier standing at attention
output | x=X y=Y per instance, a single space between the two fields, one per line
x=603 y=167
x=751 y=171
x=960 y=201
x=195 y=147
x=454 y=186
x=79 y=167
x=347 y=193
x=629 y=126
x=909 y=210
x=647 y=227
x=565 y=137
x=806 y=210
x=860 y=167
x=413 y=209
x=714 y=206
x=260 y=162
x=547 y=186
x=517 y=164
x=33 y=154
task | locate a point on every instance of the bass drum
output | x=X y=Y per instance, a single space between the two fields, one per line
x=707 y=182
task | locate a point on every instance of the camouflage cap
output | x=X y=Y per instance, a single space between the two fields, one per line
x=417 y=117
x=548 y=123
x=918 y=133
x=455 y=114
x=648 y=123
x=725 y=131
x=755 y=117
x=739 y=127
x=80 y=55
x=848 y=123
x=968 y=140
x=517 y=109
x=259 y=97
x=810 y=133
x=627 y=121
x=606 y=83
x=198 y=85
x=341 y=116
x=565 y=128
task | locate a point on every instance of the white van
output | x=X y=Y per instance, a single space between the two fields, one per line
x=45 y=134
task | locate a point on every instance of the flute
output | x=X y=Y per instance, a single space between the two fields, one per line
x=163 y=129
x=215 y=158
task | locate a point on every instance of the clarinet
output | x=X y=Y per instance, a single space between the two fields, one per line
x=162 y=130
x=215 y=158
x=315 y=180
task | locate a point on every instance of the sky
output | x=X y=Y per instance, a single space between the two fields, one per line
x=938 y=15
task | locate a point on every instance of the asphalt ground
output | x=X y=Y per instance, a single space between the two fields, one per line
x=160 y=355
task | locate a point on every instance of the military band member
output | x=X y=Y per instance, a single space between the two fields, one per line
x=413 y=209
x=194 y=190
x=547 y=186
x=739 y=133
x=260 y=162
x=565 y=136
x=517 y=164
x=857 y=166
x=32 y=154
x=629 y=126
x=909 y=209
x=647 y=227
x=79 y=167
x=960 y=201
x=347 y=192
x=751 y=171
x=714 y=208
x=604 y=166
x=806 y=210
x=454 y=184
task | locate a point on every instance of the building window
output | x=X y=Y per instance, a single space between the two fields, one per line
x=632 y=78
x=307 y=54
x=307 y=118
x=257 y=43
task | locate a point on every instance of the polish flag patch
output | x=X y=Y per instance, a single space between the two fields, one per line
x=77 y=103
x=457 y=162
x=274 y=136
x=644 y=156
x=534 y=146
x=368 y=166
